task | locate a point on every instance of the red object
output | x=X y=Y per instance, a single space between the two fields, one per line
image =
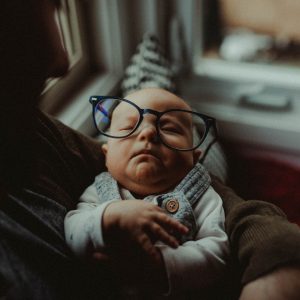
x=272 y=181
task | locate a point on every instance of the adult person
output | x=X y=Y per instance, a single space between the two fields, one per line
x=39 y=166
x=41 y=161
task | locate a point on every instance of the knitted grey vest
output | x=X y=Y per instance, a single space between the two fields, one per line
x=177 y=203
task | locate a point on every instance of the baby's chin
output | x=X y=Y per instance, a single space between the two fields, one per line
x=147 y=179
x=147 y=173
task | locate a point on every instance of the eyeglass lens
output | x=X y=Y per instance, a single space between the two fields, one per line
x=117 y=118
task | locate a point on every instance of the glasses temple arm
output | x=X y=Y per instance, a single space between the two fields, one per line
x=212 y=142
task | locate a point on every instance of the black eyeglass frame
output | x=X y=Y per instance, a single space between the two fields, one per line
x=208 y=121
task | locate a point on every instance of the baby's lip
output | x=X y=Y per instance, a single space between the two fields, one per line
x=146 y=151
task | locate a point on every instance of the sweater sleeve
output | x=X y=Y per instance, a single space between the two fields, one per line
x=199 y=263
x=261 y=237
x=83 y=226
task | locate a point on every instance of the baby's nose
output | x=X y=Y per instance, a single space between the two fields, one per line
x=148 y=132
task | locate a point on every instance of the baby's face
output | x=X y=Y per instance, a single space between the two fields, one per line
x=140 y=162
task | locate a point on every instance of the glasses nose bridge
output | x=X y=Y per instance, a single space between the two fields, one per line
x=148 y=124
x=150 y=111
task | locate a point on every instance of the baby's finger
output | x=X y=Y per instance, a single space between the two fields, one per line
x=148 y=247
x=160 y=234
x=170 y=223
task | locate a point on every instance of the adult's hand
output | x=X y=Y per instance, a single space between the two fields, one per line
x=281 y=284
x=142 y=224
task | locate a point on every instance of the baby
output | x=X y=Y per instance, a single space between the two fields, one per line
x=172 y=221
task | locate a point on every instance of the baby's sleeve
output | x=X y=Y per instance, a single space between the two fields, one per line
x=200 y=263
x=83 y=226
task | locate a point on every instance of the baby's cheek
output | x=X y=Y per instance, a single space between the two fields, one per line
x=184 y=160
x=114 y=161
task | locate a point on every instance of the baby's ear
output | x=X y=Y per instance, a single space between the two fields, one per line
x=104 y=148
x=196 y=155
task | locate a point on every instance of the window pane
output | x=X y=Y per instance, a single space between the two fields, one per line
x=263 y=31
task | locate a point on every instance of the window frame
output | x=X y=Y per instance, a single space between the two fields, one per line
x=100 y=70
x=236 y=71
x=218 y=93
x=94 y=69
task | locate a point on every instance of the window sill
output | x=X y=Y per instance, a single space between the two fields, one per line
x=261 y=128
x=257 y=72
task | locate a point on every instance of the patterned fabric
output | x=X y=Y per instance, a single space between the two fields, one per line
x=187 y=193
x=148 y=68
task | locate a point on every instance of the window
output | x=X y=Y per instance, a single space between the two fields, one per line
x=67 y=20
x=86 y=30
x=256 y=40
x=68 y=23
x=255 y=97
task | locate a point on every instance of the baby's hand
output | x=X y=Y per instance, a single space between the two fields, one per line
x=142 y=223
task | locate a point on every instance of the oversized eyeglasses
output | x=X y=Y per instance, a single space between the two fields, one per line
x=176 y=128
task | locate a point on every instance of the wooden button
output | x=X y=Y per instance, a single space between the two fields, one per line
x=172 y=206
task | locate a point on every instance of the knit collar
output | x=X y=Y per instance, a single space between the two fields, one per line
x=193 y=186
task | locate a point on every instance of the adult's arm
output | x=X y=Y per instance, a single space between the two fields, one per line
x=281 y=284
x=262 y=239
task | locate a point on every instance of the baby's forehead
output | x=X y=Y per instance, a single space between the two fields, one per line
x=157 y=99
